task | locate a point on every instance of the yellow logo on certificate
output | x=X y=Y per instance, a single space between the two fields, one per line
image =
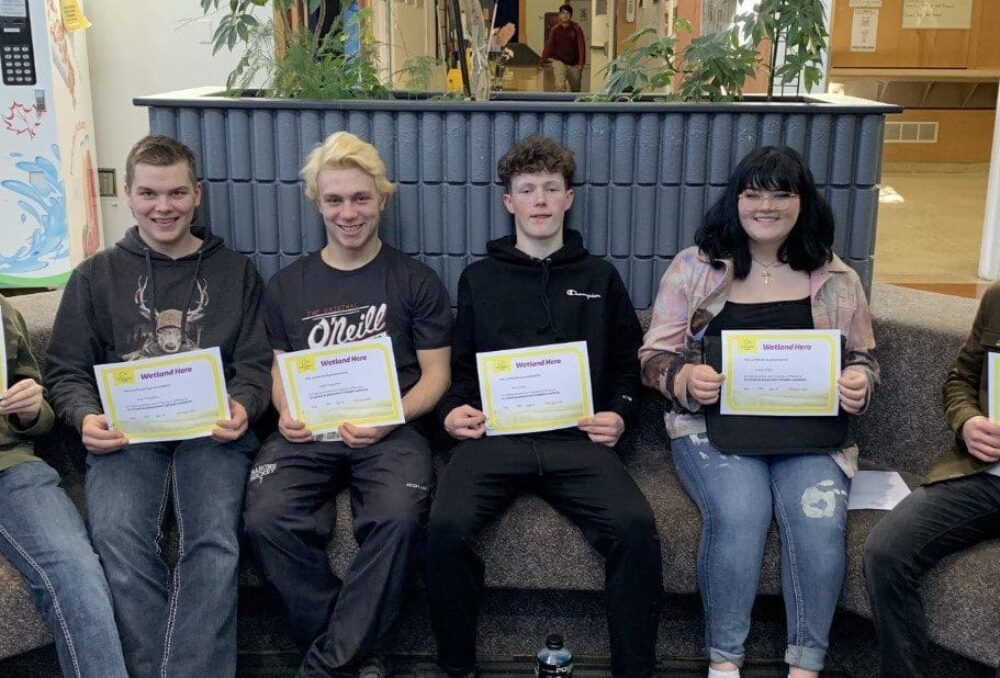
x=748 y=345
x=124 y=377
x=305 y=365
x=501 y=365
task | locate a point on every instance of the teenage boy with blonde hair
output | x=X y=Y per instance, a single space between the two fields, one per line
x=354 y=288
x=167 y=286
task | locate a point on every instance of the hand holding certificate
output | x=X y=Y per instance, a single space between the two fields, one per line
x=780 y=372
x=349 y=383
x=175 y=397
x=993 y=385
x=542 y=388
x=22 y=399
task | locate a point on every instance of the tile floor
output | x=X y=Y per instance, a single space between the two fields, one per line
x=929 y=229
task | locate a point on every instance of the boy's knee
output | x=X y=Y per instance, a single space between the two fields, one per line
x=447 y=530
x=881 y=559
x=635 y=526
x=261 y=516
x=109 y=529
x=401 y=520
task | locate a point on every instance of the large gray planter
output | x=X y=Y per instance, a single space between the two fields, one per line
x=646 y=171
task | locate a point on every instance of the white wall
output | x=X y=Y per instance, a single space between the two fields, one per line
x=135 y=49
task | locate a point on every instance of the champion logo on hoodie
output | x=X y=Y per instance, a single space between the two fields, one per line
x=573 y=293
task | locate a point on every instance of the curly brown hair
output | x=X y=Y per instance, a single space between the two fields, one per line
x=536 y=155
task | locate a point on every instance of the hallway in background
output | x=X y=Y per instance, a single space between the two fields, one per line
x=930 y=223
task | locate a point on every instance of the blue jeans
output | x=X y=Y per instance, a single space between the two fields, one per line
x=42 y=535
x=179 y=623
x=738 y=495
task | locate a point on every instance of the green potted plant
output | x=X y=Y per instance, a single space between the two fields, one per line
x=649 y=162
x=716 y=66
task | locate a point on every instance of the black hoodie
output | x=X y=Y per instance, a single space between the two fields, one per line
x=510 y=300
x=131 y=302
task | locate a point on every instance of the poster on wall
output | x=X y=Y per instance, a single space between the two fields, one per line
x=48 y=196
x=937 y=14
x=34 y=243
x=864 y=29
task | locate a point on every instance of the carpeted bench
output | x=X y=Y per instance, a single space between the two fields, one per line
x=541 y=574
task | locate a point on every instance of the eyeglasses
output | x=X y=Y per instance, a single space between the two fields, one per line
x=779 y=199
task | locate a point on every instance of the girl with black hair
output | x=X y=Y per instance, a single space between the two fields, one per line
x=763 y=261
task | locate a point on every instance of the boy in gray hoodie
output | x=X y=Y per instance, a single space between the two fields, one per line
x=166 y=287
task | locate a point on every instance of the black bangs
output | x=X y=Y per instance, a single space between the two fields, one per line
x=807 y=247
x=772 y=169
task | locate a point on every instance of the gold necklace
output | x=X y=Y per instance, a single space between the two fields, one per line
x=766 y=272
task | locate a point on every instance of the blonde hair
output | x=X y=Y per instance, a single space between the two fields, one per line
x=343 y=150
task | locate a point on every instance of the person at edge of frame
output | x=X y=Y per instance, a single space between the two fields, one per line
x=956 y=507
x=41 y=532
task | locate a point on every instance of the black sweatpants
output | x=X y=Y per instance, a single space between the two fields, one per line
x=289 y=517
x=584 y=481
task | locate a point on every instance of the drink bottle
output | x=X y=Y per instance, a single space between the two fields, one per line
x=554 y=659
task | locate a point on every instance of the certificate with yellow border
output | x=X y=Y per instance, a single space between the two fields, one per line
x=175 y=397
x=993 y=385
x=780 y=373
x=542 y=388
x=355 y=382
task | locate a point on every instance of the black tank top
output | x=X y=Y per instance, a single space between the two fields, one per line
x=795 y=314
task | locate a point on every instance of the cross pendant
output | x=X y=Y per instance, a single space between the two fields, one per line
x=767 y=277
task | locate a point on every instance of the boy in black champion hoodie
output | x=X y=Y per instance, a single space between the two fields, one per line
x=536 y=287
x=165 y=288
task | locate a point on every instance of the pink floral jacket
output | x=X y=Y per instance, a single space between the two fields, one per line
x=692 y=292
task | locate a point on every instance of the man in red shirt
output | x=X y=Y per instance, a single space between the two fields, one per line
x=565 y=50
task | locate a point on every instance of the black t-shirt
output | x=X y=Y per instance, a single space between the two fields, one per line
x=311 y=305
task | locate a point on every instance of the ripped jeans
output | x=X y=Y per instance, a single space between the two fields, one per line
x=737 y=496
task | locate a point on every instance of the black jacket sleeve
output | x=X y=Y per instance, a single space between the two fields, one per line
x=624 y=340
x=250 y=383
x=74 y=348
x=464 y=387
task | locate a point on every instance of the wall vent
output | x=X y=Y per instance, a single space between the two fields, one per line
x=911 y=132
x=107 y=182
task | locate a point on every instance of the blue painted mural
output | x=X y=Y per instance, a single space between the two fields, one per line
x=43 y=210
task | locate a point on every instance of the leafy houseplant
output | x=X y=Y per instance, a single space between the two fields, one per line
x=649 y=164
x=295 y=61
x=716 y=66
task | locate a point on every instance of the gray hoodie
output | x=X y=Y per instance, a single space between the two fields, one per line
x=130 y=302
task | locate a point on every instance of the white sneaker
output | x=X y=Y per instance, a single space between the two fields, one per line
x=375 y=667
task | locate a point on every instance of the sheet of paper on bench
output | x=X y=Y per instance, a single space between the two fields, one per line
x=880 y=490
